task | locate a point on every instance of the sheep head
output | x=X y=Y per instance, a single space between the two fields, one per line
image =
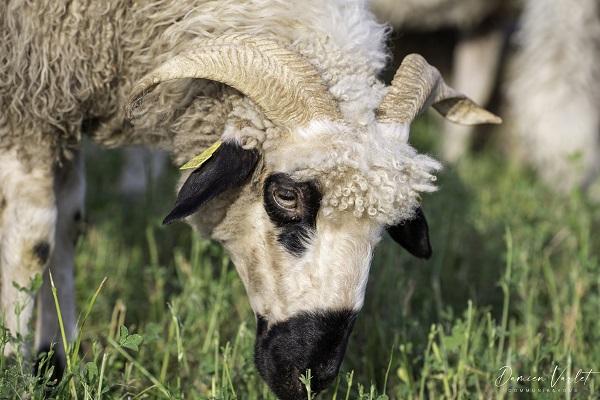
x=304 y=196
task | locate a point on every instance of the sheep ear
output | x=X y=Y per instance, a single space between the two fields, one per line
x=413 y=235
x=228 y=167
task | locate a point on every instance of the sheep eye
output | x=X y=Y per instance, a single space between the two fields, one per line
x=288 y=202
x=292 y=207
x=285 y=198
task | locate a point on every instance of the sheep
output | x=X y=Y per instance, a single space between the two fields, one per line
x=553 y=95
x=309 y=159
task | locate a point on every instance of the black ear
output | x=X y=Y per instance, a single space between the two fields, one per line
x=413 y=235
x=228 y=167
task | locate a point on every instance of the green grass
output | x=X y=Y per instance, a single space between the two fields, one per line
x=513 y=281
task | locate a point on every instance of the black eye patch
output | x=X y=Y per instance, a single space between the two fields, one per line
x=292 y=206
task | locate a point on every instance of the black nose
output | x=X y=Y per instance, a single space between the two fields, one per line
x=286 y=350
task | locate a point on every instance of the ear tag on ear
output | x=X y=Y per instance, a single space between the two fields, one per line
x=203 y=157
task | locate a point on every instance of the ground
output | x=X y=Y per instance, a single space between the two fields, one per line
x=512 y=287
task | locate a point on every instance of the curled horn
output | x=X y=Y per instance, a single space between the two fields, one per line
x=287 y=88
x=416 y=86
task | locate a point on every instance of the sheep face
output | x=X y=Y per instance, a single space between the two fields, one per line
x=302 y=252
x=305 y=275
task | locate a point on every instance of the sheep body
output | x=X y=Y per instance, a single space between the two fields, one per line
x=553 y=92
x=56 y=77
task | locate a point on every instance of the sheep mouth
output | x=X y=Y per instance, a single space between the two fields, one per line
x=314 y=341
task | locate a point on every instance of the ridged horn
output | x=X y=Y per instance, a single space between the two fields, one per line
x=287 y=88
x=416 y=86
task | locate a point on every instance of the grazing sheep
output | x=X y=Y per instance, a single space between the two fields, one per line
x=311 y=159
x=553 y=95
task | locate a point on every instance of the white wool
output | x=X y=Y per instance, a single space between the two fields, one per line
x=367 y=171
x=395 y=130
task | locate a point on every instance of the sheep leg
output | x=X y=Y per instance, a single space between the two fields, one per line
x=27 y=222
x=70 y=191
x=475 y=68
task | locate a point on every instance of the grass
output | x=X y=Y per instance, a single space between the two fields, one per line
x=513 y=282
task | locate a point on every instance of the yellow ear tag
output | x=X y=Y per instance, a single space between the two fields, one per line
x=203 y=157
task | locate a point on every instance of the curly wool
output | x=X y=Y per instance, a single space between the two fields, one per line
x=388 y=190
x=56 y=79
x=368 y=171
